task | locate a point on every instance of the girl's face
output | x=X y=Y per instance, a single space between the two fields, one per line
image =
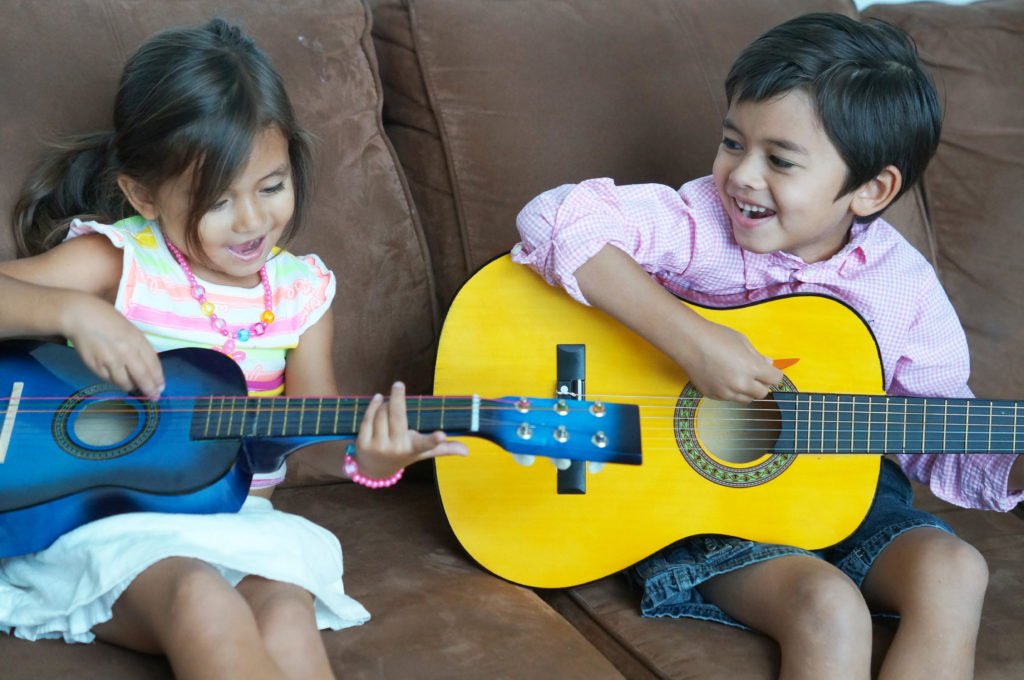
x=778 y=174
x=239 y=231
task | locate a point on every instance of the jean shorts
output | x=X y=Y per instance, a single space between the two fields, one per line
x=669 y=578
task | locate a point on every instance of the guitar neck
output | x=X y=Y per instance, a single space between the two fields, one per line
x=846 y=423
x=287 y=417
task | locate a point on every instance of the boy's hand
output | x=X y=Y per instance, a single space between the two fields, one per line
x=385 y=444
x=111 y=347
x=724 y=365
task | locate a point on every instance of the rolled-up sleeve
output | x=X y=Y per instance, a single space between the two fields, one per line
x=563 y=228
x=936 y=364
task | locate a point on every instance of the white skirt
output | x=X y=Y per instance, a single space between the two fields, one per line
x=70 y=587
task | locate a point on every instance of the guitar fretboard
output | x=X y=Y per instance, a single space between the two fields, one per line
x=843 y=423
x=239 y=417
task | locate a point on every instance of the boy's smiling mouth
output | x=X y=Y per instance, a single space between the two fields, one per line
x=752 y=211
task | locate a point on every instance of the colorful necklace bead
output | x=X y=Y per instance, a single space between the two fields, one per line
x=241 y=334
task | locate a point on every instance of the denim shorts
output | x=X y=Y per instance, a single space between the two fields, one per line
x=669 y=578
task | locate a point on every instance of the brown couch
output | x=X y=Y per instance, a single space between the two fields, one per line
x=435 y=127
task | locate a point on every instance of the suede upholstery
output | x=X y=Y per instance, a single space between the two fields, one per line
x=436 y=121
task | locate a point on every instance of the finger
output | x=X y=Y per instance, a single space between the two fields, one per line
x=366 y=426
x=149 y=383
x=119 y=376
x=397 y=421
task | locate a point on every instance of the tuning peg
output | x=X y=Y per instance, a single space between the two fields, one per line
x=523 y=459
x=593 y=467
x=561 y=463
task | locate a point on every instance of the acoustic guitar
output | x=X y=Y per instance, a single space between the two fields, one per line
x=798 y=468
x=74 y=449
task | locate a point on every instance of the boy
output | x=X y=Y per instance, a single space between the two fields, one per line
x=829 y=121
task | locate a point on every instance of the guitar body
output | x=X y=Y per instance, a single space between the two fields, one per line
x=93 y=452
x=500 y=337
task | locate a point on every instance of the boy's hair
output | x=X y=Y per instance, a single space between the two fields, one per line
x=190 y=98
x=875 y=101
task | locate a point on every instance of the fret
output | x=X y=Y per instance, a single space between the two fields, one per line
x=270 y=418
x=419 y=413
x=903 y=446
x=869 y=427
x=319 y=412
x=256 y=416
x=355 y=412
x=302 y=413
x=1014 y=442
x=885 y=427
x=220 y=415
x=853 y=423
x=924 y=424
x=441 y=427
x=945 y=420
x=991 y=408
x=231 y=418
x=209 y=411
x=337 y=412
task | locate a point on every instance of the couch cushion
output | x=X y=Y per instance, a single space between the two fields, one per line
x=974 y=184
x=488 y=103
x=61 y=63
x=435 y=614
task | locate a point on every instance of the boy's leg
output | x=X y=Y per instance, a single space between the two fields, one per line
x=936 y=583
x=183 y=608
x=813 y=610
x=287 y=621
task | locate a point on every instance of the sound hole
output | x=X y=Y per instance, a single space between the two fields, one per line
x=738 y=433
x=106 y=424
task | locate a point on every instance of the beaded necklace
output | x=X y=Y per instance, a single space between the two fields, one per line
x=242 y=333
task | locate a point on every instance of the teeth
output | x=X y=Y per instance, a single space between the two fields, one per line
x=751 y=210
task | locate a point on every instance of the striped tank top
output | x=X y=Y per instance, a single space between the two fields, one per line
x=155 y=296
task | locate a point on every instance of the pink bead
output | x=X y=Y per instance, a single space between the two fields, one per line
x=229 y=347
x=198 y=292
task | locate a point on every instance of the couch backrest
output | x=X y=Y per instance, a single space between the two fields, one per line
x=60 y=62
x=489 y=103
x=975 y=184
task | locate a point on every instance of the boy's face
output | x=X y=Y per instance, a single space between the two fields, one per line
x=778 y=174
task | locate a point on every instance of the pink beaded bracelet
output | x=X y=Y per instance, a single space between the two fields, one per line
x=352 y=470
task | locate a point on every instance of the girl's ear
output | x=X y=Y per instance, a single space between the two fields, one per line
x=139 y=196
x=875 y=195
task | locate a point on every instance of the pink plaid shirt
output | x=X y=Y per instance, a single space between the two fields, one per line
x=684 y=240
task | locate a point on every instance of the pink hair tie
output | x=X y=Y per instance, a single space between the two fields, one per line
x=352 y=470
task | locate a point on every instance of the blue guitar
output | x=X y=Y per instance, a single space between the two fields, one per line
x=73 y=449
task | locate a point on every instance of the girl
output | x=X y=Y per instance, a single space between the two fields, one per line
x=829 y=120
x=204 y=175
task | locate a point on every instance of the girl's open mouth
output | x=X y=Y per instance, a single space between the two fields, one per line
x=248 y=250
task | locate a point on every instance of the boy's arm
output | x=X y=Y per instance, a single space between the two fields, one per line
x=937 y=363
x=602 y=243
x=720 y=362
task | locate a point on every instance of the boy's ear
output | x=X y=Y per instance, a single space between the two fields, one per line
x=875 y=195
x=139 y=196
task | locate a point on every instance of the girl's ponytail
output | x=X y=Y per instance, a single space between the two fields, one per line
x=74 y=179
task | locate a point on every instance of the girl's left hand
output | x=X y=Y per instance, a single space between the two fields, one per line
x=385 y=444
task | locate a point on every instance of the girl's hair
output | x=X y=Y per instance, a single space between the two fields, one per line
x=876 y=103
x=189 y=99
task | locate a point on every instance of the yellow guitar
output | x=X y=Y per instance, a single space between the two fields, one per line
x=767 y=471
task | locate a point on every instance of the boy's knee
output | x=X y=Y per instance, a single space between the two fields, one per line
x=828 y=605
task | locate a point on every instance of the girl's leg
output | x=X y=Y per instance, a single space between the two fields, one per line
x=183 y=608
x=287 y=621
x=813 y=610
x=936 y=582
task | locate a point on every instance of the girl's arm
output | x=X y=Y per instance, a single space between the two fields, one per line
x=385 y=444
x=69 y=292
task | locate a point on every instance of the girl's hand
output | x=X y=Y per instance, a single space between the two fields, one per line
x=385 y=444
x=722 y=364
x=110 y=346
